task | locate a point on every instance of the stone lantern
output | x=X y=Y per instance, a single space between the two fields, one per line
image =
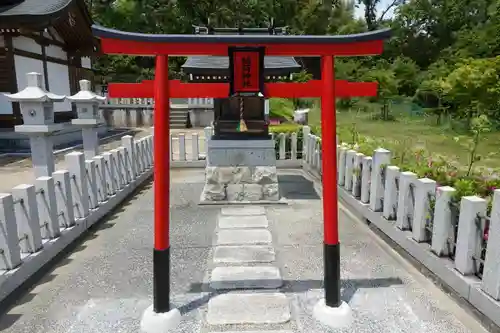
x=87 y=108
x=37 y=109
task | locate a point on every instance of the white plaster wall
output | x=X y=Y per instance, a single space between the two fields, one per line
x=23 y=66
x=59 y=84
x=56 y=52
x=53 y=33
x=5 y=105
x=26 y=65
x=86 y=63
x=56 y=35
x=26 y=44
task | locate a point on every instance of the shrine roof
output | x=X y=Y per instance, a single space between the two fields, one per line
x=208 y=65
x=32 y=9
x=69 y=18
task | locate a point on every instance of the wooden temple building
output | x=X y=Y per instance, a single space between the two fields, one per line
x=51 y=37
x=226 y=111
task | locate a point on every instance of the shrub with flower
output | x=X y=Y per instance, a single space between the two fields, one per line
x=464 y=180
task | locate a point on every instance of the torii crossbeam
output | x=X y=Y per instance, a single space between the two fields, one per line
x=330 y=311
x=177 y=89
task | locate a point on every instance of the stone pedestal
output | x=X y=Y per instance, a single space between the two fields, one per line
x=42 y=147
x=240 y=171
x=89 y=136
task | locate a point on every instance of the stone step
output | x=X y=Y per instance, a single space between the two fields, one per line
x=263 y=331
x=244 y=236
x=243 y=277
x=244 y=210
x=235 y=222
x=235 y=308
x=244 y=254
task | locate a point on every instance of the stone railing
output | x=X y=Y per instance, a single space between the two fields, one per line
x=207 y=103
x=139 y=102
x=204 y=103
x=39 y=220
x=190 y=150
x=456 y=241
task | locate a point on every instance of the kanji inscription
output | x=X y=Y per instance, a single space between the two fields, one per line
x=246 y=72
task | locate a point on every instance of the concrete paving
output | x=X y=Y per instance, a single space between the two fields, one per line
x=249 y=309
x=105 y=283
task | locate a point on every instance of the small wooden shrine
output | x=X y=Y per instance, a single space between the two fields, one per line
x=239 y=116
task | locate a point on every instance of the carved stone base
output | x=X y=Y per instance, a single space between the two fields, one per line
x=240 y=183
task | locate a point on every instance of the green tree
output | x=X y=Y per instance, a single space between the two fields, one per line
x=406 y=73
x=430 y=94
x=474 y=89
x=387 y=88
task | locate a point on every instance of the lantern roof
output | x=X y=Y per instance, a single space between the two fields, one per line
x=34 y=91
x=86 y=94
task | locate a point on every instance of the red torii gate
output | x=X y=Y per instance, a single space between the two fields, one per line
x=332 y=310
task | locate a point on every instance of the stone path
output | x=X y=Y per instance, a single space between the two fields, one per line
x=245 y=261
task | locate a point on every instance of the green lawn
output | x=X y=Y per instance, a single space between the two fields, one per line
x=415 y=132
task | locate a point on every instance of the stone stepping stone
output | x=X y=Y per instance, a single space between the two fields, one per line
x=244 y=254
x=263 y=331
x=268 y=308
x=244 y=277
x=235 y=222
x=242 y=237
x=242 y=211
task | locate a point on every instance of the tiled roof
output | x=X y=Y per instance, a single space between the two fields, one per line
x=33 y=7
x=222 y=63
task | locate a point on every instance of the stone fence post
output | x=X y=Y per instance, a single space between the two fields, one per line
x=381 y=158
x=491 y=273
x=469 y=234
